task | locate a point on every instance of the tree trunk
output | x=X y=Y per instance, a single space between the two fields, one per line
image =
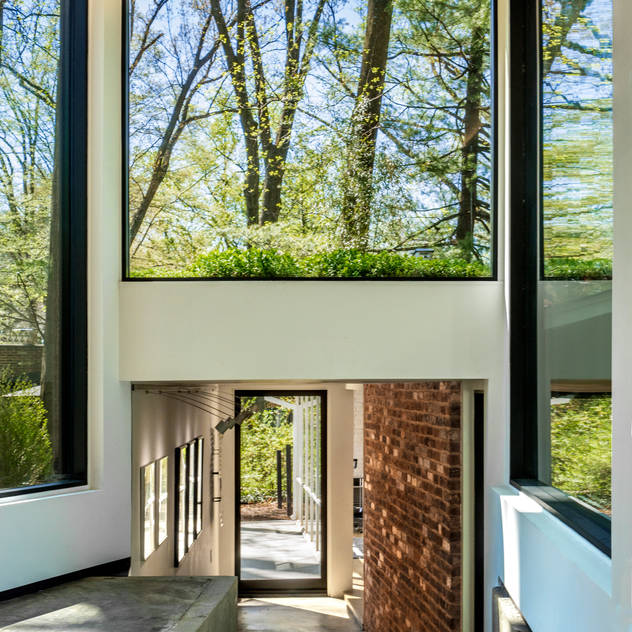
x=468 y=199
x=358 y=180
x=236 y=61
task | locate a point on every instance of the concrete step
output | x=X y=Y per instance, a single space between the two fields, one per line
x=355 y=605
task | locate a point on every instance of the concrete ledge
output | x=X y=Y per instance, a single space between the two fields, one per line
x=103 y=604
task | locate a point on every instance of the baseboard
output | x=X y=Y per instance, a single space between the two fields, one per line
x=118 y=567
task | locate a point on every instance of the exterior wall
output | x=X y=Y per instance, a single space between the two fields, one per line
x=412 y=507
x=69 y=530
x=22 y=359
x=159 y=426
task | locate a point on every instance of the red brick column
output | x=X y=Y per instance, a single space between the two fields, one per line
x=412 y=507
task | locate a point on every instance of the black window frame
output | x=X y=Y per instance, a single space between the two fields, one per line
x=73 y=204
x=526 y=270
x=494 y=206
x=191 y=492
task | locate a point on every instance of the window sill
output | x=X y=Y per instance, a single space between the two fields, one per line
x=45 y=490
x=591 y=525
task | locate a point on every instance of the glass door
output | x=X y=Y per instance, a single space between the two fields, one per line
x=281 y=500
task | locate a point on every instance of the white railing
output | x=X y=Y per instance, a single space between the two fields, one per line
x=307 y=468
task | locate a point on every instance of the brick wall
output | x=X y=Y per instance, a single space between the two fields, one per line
x=412 y=507
x=22 y=360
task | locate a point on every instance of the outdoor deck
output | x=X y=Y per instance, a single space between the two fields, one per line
x=276 y=549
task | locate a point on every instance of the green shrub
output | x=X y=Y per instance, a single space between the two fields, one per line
x=261 y=436
x=581 y=449
x=249 y=263
x=26 y=455
x=267 y=264
x=577 y=269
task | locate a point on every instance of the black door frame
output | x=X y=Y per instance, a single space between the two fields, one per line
x=259 y=586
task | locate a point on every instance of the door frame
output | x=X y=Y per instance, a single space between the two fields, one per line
x=258 y=586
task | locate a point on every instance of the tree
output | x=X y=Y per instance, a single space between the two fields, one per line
x=264 y=141
x=365 y=120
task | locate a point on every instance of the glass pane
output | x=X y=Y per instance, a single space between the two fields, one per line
x=182 y=486
x=281 y=531
x=30 y=262
x=577 y=142
x=191 y=496
x=575 y=302
x=149 y=508
x=198 y=499
x=368 y=154
x=163 y=487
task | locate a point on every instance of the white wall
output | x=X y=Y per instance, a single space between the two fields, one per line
x=160 y=424
x=70 y=530
x=558 y=580
x=622 y=322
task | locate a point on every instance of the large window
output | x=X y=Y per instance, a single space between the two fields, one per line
x=43 y=113
x=310 y=139
x=562 y=259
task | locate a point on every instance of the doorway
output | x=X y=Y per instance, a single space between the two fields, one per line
x=280 y=491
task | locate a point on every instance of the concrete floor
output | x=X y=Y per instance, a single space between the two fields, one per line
x=276 y=549
x=126 y=604
x=294 y=614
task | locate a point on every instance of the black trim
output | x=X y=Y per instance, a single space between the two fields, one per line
x=72 y=134
x=524 y=161
x=116 y=568
x=73 y=197
x=479 y=511
x=125 y=139
x=125 y=273
x=589 y=523
x=526 y=271
x=304 y=279
x=494 y=206
x=285 y=586
x=44 y=487
x=176 y=512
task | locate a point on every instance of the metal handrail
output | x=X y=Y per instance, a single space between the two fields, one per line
x=309 y=491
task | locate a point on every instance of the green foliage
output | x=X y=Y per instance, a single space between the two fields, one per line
x=581 y=449
x=261 y=436
x=255 y=263
x=578 y=269
x=246 y=264
x=26 y=455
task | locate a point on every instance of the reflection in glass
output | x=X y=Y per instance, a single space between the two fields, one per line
x=163 y=498
x=281 y=529
x=575 y=302
x=198 y=485
x=339 y=172
x=31 y=379
x=577 y=139
x=191 y=494
x=181 y=500
x=149 y=508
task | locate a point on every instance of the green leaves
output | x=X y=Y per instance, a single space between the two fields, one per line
x=26 y=455
x=348 y=264
x=581 y=449
x=261 y=436
x=577 y=269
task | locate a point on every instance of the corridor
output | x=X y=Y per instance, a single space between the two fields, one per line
x=294 y=614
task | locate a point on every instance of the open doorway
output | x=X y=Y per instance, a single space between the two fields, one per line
x=281 y=504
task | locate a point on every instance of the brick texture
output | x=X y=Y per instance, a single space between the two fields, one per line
x=412 y=507
x=22 y=360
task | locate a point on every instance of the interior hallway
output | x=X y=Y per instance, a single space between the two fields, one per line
x=294 y=614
